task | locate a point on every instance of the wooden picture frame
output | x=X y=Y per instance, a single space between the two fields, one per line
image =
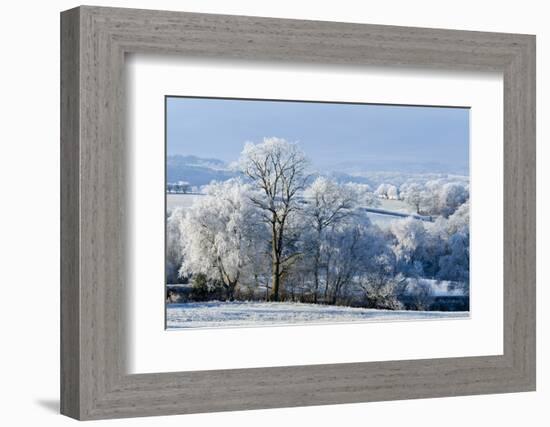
x=94 y=41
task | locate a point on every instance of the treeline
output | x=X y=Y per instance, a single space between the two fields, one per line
x=180 y=187
x=278 y=235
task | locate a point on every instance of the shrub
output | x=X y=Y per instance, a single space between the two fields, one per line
x=200 y=290
x=383 y=292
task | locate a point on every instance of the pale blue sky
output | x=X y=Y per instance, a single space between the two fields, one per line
x=333 y=136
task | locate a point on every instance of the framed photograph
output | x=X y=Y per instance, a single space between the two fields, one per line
x=364 y=217
x=261 y=213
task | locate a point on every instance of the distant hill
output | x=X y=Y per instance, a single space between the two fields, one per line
x=200 y=171
x=362 y=167
x=375 y=178
x=196 y=170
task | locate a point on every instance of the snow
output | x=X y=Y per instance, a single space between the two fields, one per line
x=438 y=288
x=396 y=206
x=397 y=214
x=180 y=200
x=231 y=314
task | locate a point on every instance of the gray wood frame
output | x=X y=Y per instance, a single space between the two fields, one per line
x=94 y=41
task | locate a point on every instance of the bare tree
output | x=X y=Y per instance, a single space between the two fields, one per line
x=277 y=171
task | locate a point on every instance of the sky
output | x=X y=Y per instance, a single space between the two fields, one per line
x=334 y=136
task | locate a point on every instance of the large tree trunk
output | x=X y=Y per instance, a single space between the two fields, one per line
x=325 y=295
x=316 y=275
x=231 y=291
x=327 y=278
x=276 y=278
x=275 y=261
x=317 y=262
x=336 y=292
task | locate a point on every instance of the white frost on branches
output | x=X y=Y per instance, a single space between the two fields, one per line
x=219 y=234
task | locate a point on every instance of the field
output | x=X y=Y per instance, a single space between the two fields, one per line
x=180 y=201
x=396 y=205
x=233 y=314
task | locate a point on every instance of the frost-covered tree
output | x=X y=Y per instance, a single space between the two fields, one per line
x=420 y=293
x=387 y=191
x=413 y=195
x=455 y=263
x=443 y=198
x=180 y=187
x=392 y=192
x=382 y=291
x=459 y=221
x=365 y=195
x=451 y=196
x=277 y=170
x=219 y=234
x=327 y=204
x=410 y=236
x=382 y=191
x=359 y=253
x=343 y=255
x=419 y=246
x=174 y=250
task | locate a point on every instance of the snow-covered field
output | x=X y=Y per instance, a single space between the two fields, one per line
x=231 y=314
x=180 y=200
x=396 y=205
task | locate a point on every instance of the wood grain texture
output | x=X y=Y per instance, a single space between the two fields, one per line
x=95 y=40
x=70 y=292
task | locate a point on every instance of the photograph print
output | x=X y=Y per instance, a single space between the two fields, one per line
x=299 y=212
